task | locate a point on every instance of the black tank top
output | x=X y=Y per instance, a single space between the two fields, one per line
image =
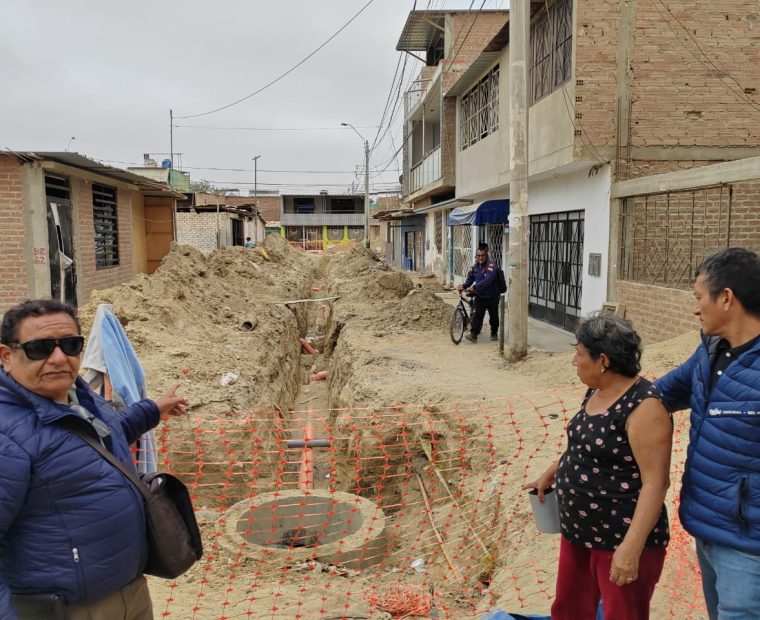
x=598 y=481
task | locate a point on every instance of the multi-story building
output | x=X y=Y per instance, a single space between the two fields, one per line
x=316 y=221
x=616 y=91
x=449 y=41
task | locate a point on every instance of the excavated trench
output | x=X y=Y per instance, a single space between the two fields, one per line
x=279 y=461
x=343 y=478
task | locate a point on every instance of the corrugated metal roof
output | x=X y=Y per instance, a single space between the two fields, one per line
x=422 y=27
x=75 y=160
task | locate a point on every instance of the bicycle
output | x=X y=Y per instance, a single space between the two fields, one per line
x=460 y=318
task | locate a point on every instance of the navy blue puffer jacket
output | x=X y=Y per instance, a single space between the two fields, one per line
x=720 y=497
x=70 y=523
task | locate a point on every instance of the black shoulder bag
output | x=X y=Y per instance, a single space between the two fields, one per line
x=174 y=540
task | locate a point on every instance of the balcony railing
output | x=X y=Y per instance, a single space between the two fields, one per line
x=322 y=219
x=427 y=171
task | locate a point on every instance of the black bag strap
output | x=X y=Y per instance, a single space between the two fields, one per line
x=106 y=454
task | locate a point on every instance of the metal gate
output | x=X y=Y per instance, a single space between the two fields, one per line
x=556 y=268
x=63 y=278
x=493 y=235
x=463 y=255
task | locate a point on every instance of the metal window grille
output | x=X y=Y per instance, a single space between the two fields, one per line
x=356 y=233
x=664 y=237
x=438 y=232
x=334 y=233
x=552 y=46
x=493 y=235
x=555 y=268
x=480 y=110
x=462 y=240
x=106 y=226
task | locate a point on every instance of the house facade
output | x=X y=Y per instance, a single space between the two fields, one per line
x=319 y=221
x=70 y=225
x=209 y=221
x=612 y=96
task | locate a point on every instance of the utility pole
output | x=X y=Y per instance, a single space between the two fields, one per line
x=519 y=34
x=256 y=195
x=171 y=170
x=366 y=194
x=366 y=183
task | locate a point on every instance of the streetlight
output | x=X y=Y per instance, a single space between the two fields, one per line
x=255 y=195
x=366 y=183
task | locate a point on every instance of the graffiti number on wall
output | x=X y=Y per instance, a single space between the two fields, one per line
x=40 y=256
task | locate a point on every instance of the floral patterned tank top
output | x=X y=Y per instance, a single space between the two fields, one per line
x=598 y=480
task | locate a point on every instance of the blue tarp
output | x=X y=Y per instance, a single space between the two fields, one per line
x=488 y=212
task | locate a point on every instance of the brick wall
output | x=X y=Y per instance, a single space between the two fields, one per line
x=744 y=230
x=595 y=63
x=449 y=141
x=198 y=229
x=657 y=313
x=89 y=277
x=679 y=97
x=471 y=32
x=269 y=207
x=666 y=236
x=13 y=264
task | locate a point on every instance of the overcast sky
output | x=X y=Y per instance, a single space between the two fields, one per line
x=107 y=74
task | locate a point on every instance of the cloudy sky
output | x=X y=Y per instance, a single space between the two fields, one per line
x=107 y=74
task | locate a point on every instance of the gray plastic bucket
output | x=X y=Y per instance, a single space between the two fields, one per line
x=546 y=513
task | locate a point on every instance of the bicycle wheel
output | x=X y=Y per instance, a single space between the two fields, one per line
x=457 y=326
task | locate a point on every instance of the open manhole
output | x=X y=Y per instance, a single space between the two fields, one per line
x=333 y=527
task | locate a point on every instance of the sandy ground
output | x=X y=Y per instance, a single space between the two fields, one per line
x=440 y=436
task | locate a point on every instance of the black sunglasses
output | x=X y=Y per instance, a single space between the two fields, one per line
x=42 y=349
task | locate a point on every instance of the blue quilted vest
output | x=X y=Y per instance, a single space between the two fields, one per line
x=720 y=497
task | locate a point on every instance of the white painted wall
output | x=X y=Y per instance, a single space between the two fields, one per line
x=577 y=191
x=478 y=165
x=551 y=130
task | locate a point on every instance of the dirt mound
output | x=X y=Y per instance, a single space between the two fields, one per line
x=199 y=317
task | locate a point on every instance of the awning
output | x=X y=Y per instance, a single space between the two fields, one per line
x=480 y=214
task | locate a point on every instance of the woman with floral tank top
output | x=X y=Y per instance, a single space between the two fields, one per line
x=611 y=481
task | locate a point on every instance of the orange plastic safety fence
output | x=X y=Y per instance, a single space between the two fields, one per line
x=383 y=512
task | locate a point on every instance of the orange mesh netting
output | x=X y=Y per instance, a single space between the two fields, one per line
x=383 y=513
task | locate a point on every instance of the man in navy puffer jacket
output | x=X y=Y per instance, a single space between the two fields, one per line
x=72 y=527
x=720 y=497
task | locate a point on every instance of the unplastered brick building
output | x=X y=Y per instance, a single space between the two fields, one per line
x=643 y=126
x=70 y=225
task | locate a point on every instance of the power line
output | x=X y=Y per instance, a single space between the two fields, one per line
x=289 y=71
x=707 y=62
x=336 y=128
x=216 y=168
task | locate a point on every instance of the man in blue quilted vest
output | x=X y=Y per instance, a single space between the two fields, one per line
x=720 y=382
x=73 y=540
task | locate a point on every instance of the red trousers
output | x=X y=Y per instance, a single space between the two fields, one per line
x=584 y=577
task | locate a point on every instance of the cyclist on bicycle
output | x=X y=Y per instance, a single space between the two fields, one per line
x=481 y=281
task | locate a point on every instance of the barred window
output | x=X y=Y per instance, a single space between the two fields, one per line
x=480 y=110
x=106 y=229
x=438 y=231
x=551 y=37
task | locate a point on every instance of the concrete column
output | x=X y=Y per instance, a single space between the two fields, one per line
x=519 y=221
x=36 y=250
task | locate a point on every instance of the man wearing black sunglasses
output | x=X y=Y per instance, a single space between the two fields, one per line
x=72 y=527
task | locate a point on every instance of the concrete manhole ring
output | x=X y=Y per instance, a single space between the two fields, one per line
x=291 y=526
